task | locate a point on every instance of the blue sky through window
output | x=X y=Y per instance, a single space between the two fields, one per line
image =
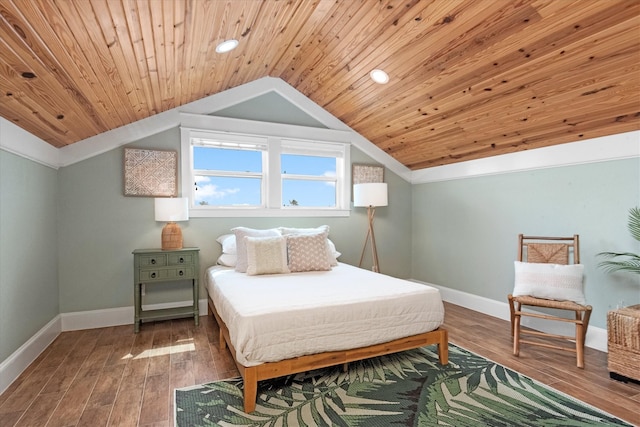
x=245 y=191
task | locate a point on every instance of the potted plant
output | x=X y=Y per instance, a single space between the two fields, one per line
x=624 y=261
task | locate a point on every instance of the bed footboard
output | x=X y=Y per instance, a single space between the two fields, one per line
x=252 y=374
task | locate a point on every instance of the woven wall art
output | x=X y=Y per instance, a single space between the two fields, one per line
x=363 y=174
x=150 y=173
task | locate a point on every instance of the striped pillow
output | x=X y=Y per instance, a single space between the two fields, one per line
x=549 y=281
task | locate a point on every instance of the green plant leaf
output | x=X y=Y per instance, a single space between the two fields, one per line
x=634 y=222
x=624 y=261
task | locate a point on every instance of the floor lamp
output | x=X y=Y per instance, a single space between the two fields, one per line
x=370 y=195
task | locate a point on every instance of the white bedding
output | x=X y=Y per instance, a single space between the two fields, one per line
x=280 y=316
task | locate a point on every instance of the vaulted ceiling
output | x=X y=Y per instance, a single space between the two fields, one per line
x=468 y=78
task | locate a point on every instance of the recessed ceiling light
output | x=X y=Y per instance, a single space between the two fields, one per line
x=379 y=76
x=226 y=46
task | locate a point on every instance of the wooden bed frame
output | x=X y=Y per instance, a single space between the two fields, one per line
x=253 y=374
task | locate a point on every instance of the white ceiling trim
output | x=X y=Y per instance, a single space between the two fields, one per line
x=18 y=141
x=613 y=147
x=106 y=141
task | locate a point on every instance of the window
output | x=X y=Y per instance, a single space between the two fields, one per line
x=227 y=173
x=234 y=174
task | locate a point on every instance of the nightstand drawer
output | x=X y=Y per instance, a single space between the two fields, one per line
x=181 y=259
x=167 y=273
x=154 y=260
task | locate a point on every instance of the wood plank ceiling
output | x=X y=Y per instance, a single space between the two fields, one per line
x=468 y=78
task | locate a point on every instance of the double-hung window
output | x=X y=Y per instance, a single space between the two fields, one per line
x=228 y=170
x=247 y=174
x=308 y=174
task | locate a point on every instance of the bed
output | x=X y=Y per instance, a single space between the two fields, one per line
x=281 y=324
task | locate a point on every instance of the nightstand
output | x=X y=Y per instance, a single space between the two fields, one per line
x=155 y=266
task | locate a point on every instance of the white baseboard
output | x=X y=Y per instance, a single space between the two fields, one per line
x=20 y=359
x=596 y=337
x=116 y=316
x=15 y=364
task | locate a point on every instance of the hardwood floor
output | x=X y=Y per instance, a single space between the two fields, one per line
x=111 y=376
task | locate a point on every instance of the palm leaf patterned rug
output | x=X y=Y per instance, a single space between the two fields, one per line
x=403 y=389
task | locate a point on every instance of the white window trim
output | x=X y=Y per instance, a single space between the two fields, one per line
x=277 y=135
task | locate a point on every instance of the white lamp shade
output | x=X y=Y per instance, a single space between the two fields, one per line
x=370 y=194
x=172 y=209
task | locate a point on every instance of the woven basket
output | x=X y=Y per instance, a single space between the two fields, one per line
x=623 y=330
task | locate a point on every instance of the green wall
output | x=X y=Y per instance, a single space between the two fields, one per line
x=99 y=228
x=465 y=230
x=28 y=256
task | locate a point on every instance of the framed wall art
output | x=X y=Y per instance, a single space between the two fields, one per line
x=362 y=174
x=150 y=173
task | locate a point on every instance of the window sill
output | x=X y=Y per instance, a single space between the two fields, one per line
x=266 y=213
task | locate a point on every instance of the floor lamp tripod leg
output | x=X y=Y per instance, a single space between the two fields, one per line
x=374 y=249
x=364 y=248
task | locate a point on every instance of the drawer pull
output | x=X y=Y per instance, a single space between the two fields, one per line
x=153 y=260
x=181 y=273
x=181 y=260
x=153 y=275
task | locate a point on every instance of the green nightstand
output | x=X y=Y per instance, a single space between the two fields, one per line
x=154 y=266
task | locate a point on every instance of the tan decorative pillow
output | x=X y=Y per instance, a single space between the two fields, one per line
x=241 y=248
x=308 y=252
x=332 y=254
x=266 y=255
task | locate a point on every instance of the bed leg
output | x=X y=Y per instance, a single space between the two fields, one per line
x=345 y=367
x=250 y=389
x=443 y=347
x=223 y=343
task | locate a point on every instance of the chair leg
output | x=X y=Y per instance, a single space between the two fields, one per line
x=579 y=343
x=516 y=335
x=581 y=335
x=585 y=320
x=512 y=310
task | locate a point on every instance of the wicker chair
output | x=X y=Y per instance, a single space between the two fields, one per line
x=555 y=250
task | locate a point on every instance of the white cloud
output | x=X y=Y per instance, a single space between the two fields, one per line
x=208 y=191
x=212 y=191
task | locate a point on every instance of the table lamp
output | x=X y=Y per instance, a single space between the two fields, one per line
x=171 y=210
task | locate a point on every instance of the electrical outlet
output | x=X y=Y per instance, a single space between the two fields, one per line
x=143 y=290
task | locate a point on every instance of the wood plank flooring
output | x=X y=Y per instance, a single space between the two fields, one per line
x=113 y=377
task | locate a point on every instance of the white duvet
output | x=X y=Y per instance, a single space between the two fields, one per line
x=280 y=316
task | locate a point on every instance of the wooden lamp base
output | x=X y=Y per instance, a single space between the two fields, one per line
x=171 y=236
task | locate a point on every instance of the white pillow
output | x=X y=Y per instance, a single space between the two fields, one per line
x=228 y=242
x=241 y=233
x=228 y=260
x=549 y=281
x=292 y=230
x=308 y=252
x=332 y=254
x=266 y=255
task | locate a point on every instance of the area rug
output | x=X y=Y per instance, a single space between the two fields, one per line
x=403 y=389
